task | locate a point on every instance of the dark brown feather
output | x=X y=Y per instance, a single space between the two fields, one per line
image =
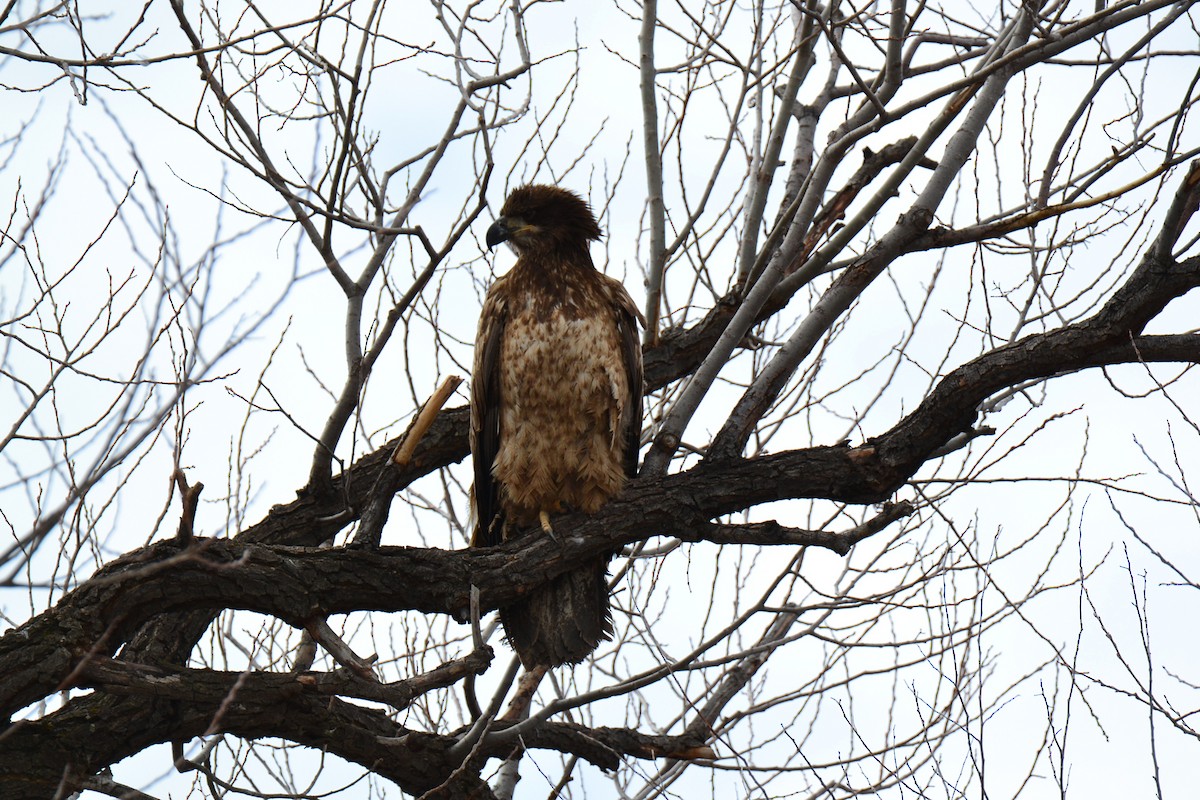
x=631 y=349
x=485 y=430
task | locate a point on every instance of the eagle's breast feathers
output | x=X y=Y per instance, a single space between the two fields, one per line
x=564 y=395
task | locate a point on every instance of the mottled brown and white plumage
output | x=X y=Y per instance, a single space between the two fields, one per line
x=556 y=408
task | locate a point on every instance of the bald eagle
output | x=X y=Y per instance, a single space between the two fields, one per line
x=556 y=409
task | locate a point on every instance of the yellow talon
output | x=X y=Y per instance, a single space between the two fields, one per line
x=545 y=520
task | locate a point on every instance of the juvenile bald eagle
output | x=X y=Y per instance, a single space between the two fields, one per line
x=556 y=409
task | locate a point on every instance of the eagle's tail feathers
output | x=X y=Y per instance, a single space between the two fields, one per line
x=561 y=622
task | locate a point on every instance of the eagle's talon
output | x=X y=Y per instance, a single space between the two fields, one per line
x=544 y=518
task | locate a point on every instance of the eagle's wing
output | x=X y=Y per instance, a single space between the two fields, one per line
x=628 y=317
x=485 y=420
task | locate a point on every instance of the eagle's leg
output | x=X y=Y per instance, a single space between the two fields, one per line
x=544 y=518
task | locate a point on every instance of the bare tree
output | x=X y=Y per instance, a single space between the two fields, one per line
x=916 y=512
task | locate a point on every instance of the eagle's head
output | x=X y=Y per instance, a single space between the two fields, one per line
x=541 y=218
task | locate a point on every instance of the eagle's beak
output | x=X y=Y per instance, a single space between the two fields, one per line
x=498 y=232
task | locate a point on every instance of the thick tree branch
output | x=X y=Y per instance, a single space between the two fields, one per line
x=184 y=684
x=295 y=707
x=73 y=742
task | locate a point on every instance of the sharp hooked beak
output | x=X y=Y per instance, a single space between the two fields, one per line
x=498 y=232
